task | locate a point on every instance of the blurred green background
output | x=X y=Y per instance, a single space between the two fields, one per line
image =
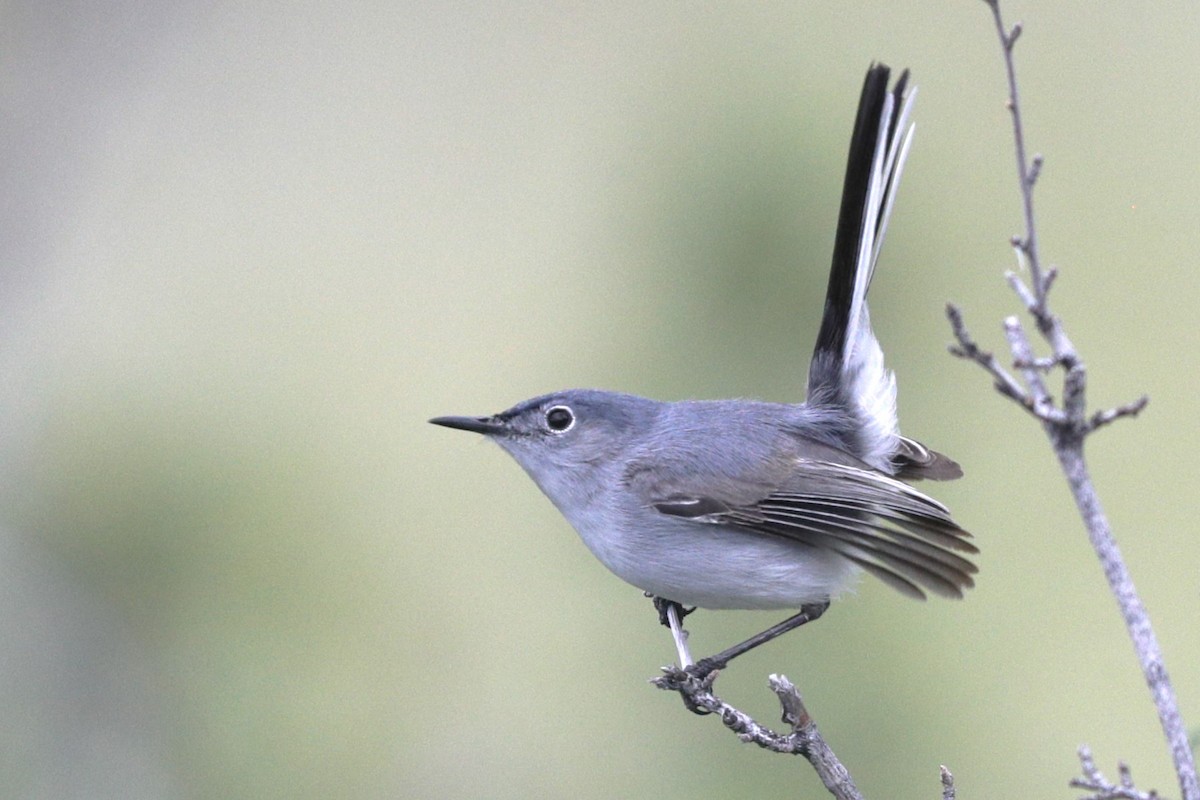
x=248 y=249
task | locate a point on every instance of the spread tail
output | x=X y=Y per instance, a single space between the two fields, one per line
x=847 y=370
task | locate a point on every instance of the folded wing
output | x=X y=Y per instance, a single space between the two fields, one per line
x=884 y=526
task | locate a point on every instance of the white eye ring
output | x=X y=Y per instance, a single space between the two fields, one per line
x=560 y=419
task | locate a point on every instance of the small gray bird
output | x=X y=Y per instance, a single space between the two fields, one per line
x=746 y=504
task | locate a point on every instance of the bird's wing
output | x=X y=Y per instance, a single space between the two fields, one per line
x=891 y=530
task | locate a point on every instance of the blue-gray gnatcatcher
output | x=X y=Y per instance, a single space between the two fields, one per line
x=746 y=504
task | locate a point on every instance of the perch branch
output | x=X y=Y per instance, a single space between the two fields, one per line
x=804 y=739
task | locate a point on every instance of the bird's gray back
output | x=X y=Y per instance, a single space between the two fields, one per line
x=742 y=448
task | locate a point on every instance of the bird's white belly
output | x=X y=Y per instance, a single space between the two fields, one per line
x=714 y=566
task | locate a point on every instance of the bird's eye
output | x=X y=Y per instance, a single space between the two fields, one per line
x=559 y=419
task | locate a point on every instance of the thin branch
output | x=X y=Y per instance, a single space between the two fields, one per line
x=1035 y=172
x=1104 y=417
x=1028 y=243
x=1137 y=620
x=1021 y=290
x=1101 y=788
x=1043 y=404
x=948 y=790
x=1068 y=425
x=966 y=348
x=804 y=740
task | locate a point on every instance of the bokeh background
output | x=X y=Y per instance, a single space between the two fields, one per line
x=249 y=248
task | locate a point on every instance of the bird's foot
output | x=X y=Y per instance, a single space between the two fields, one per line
x=694 y=690
x=706 y=669
x=662 y=605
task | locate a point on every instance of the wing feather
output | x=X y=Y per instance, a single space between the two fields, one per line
x=899 y=535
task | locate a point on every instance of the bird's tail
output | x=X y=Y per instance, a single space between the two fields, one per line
x=847 y=371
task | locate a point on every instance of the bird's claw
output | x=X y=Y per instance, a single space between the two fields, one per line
x=663 y=605
x=688 y=684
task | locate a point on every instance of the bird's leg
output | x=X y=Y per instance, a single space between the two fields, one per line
x=671 y=614
x=679 y=635
x=808 y=613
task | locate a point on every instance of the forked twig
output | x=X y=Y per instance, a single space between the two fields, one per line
x=1101 y=788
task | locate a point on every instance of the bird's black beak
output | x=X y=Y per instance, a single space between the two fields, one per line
x=484 y=425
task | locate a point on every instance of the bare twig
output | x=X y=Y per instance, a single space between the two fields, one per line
x=966 y=348
x=1101 y=788
x=1068 y=425
x=1043 y=404
x=948 y=790
x=804 y=740
x=1105 y=416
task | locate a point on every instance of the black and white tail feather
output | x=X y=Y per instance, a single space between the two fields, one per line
x=847 y=373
